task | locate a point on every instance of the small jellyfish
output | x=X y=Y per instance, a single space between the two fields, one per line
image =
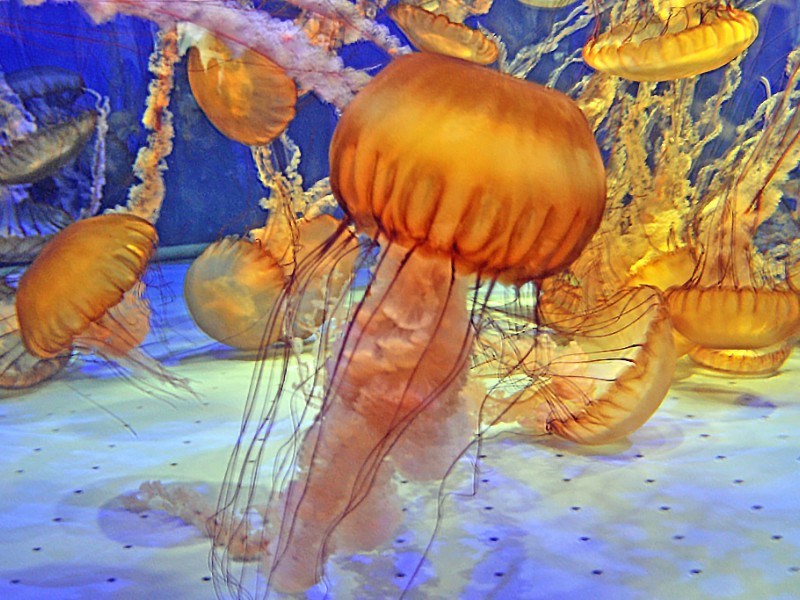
x=393 y=397
x=246 y=96
x=49 y=94
x=672 y=43
x=81 y=291
x=432 y=32
x=232 y=288
x=725 y=315
x=45 y=151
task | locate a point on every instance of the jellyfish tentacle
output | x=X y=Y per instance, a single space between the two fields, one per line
x=391 y=366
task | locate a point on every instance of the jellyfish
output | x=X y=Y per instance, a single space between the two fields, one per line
x=662 y=43
x=741 y=317
x=393 y=398
x=45 y=151
x=597 y=380
x=94 y=263
x=246 y=96
x=45 y=125
x=232 y=287
x=431 y=32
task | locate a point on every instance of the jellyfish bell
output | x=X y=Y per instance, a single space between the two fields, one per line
x=69 y=293
x=405 y=170
x=696 y=39
x=230 y=290
x=233 y=288
x=45 y=151
x=245 y=95
x=432 y=32
x=725 y=317
x=492 y=190
x=46 y=80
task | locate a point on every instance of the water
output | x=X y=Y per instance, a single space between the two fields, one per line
x=699 y=502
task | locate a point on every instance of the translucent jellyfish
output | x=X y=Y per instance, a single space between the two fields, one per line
x=45 y=151
x=233 y=286
x=671 y=40
x=46 y=83
x=47 y=118
x=97 y=265
x=600 y=379
x=247 y=97
x=230 y=290
x=392 y=397
x=432 y=32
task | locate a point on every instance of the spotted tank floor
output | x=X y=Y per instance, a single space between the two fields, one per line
x=703 y=502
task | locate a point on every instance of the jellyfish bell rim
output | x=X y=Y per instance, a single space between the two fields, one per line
x=431 y=32
x=530 y=204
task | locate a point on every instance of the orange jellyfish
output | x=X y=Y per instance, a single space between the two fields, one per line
x=601 y=378
x=392 y=397
x=735 y=322
x=672 y=40
x=741 y=318
x=232 y=288
x=245 y=95
x=81 y=291
x=432 y=32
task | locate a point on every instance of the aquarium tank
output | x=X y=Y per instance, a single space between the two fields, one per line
x=424 y=299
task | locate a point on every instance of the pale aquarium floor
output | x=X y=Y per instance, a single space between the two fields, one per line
x=702 y=502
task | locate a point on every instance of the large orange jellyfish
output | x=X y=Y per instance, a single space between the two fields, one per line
x=81 y=291
x=671 y=39
x=455 y=191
